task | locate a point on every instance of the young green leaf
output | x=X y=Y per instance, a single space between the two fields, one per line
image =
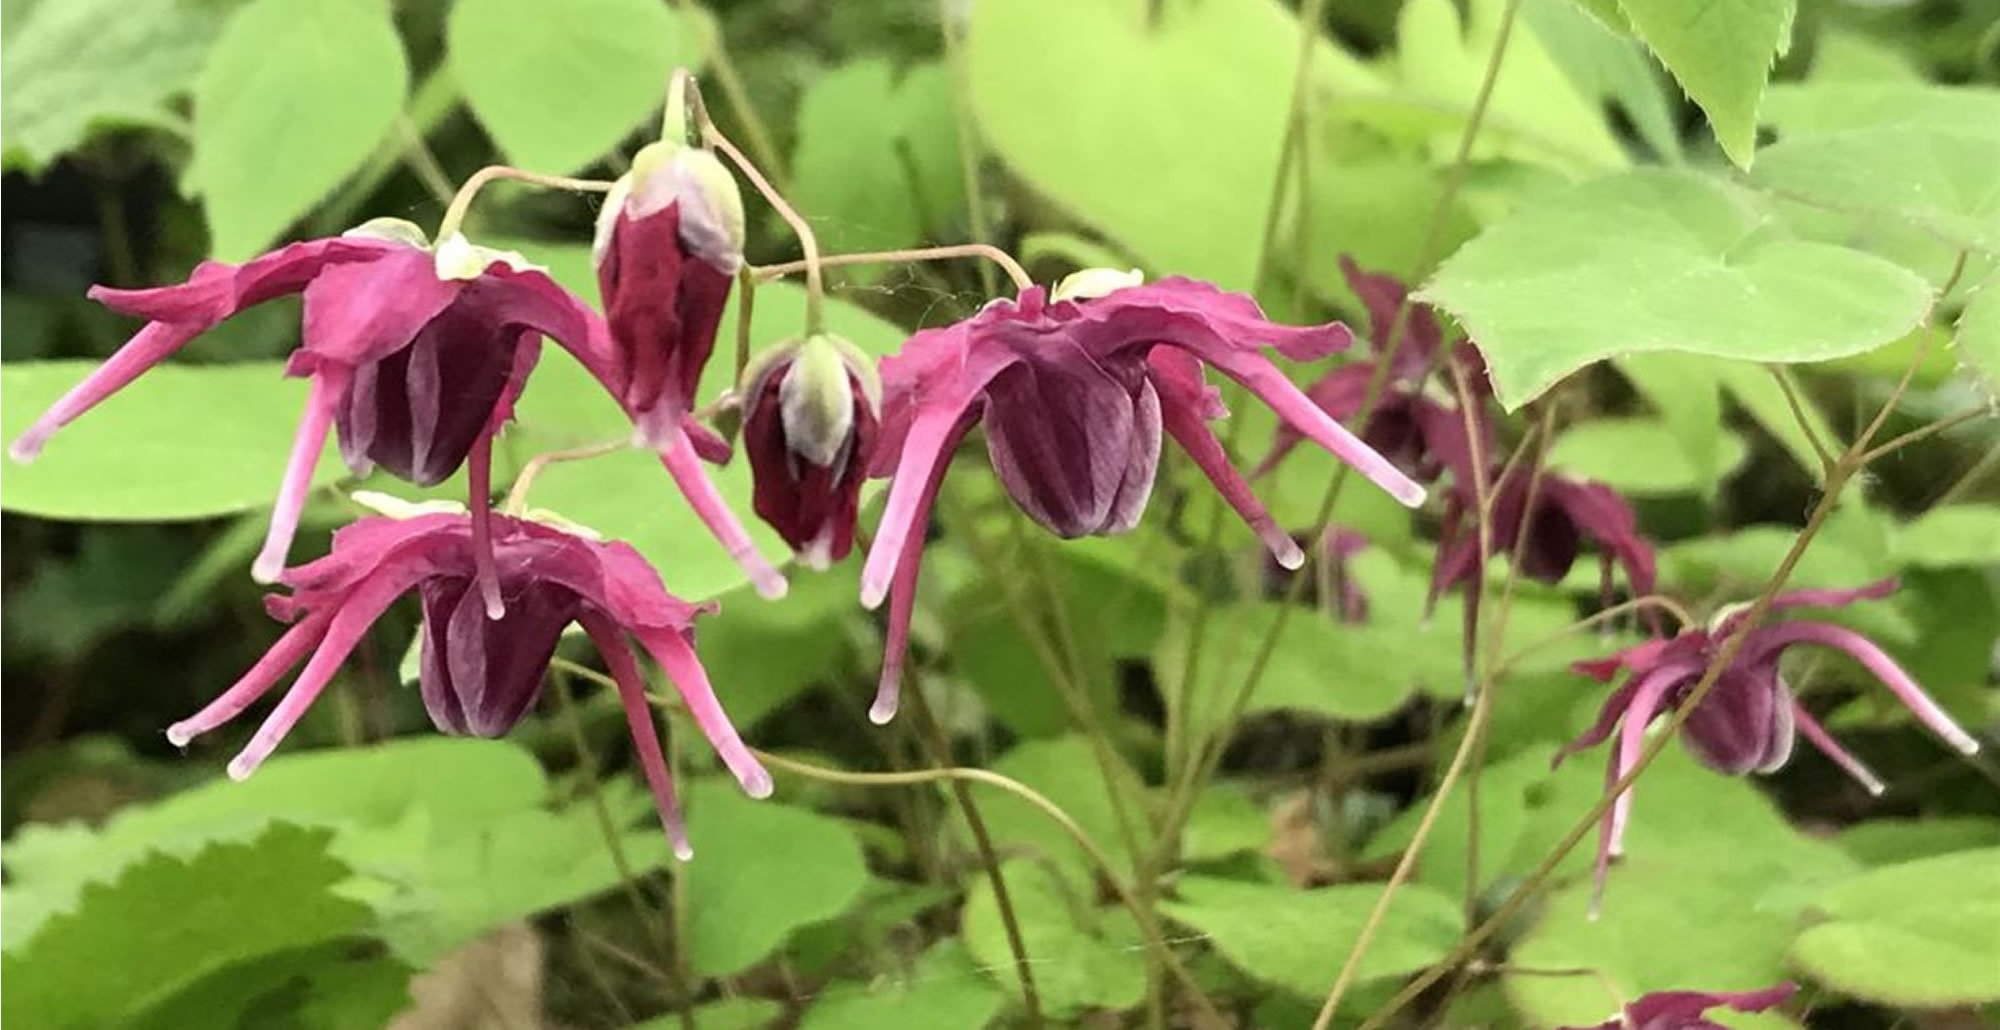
x=1084 y=957
x=558 y=92
x=1638 y=456
x=1721 y=53
x=942 y=986
x=1940 y=181
x=1692 y=266
x=295 y=95
x=1296 y=939
x=1978 y=339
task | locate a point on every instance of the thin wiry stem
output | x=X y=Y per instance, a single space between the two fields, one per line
x=1106 y=868
x=461 y=202
x=991 y=253
x=1926 y=431
x=1003 y=900
x=808 y=242
x=517 y=495
x=1793 y=401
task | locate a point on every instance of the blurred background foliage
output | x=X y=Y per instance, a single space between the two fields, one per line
x=375 y=873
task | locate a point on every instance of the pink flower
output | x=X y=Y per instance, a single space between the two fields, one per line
x=1075 y=390
x=1747 y=722
x=808 y=423
x=415 y=356
x=1688 y=1010
x=481 y=675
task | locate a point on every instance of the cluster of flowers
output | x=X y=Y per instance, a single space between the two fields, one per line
x=416 y=354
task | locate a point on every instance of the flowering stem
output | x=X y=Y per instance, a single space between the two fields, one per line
x=517 y=495
x=461 y=202
x=1924 y=431
x=1105 y=866
x=1006 y=261
x=1846 y=467
x=747 y=298
x=809 y=243
x=1791 y=392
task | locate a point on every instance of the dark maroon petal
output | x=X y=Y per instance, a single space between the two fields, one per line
x=812 y=506
x=1064 y=437
x=440 y=601
x=1684 y=1010
x=217 y=290
x=495 y=666
x=664 y=308
x=1600 y=514
x=1834 y=598
x=1744 y=724
x=1383 y=296
x=430 y=542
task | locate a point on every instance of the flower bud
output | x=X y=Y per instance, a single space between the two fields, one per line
x=809 y=416
x=669 y=243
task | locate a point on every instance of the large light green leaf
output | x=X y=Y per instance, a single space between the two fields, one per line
x=1936 y=180
x=1297 y=939
x=1084 y=957
x=74 y=67
x=1637 y=456
x=558 y=92
x=1721 y=53
x=857 y=166
x=1810 y=108
x=167 y=922
x=761 y=871
x=1760 y=395
x=1606 y=64
x=1683 y=389
x=1692 y=268
x=1922 y=934
x=1165 y=137
x=294 y=96
x=1536 y=112
x=1065 y=770
x=183 y=442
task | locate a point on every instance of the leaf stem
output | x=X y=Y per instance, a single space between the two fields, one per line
x=809 y=243
x=517 y=495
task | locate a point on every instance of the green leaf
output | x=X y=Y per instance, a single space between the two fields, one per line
x=1604 y=450
x=1721 y=54
x=1936 y=180
x=324 y=987
x=1921 y=934
x=1225 y=821
x=74 y=68
x=1809 y=108
x=1978 y=340
x=1889 y=841
x=308 y=87
x=1083 y=957
x=166 y=922
x=139 y=458
x=1298 y=939
x=851 y=179
x=1951 y=536
x=927 y=128
x=942 y=985
x=1595 y=50
x=761 y=870
x=1536 y=110
x=557 y=93
x=1692 y=268
x=1166 y=137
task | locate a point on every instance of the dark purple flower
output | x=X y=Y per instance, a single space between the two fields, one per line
x=1421 y=430
x=1688 y=1010
x=808 y=423
x=1567 y=514
x=415 y=355
x=1075 y=389
x=481 y=675
x=1747 y=720
x=669 y=244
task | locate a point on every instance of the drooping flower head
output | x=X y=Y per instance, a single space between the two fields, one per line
x=1415 y=422
x=808 y=423
x=1688 y=1010
x=1748 y=720
x=1074 y=388
x=668 y=246
x=415 y=355
x=1567 y=513
x=480 y=675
